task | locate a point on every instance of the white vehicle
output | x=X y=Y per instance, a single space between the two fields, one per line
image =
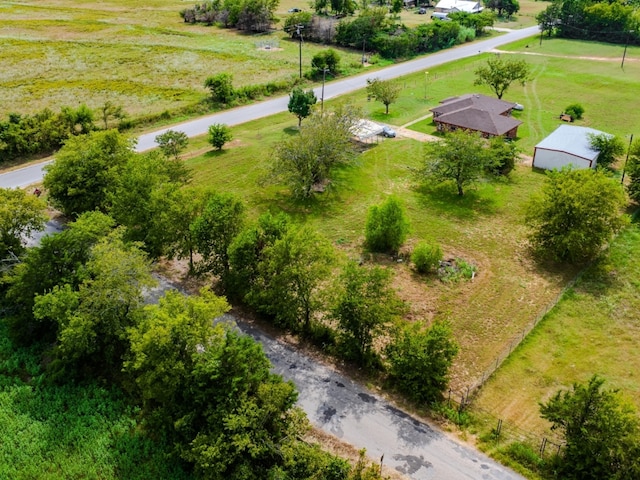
x=440 y=16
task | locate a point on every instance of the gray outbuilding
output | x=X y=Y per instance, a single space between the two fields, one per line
x=567 y=145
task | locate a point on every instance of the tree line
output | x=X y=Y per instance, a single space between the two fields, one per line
x=611 y=22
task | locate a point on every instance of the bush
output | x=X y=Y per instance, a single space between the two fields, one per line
x=326 y=59
x=575 y=110
x=466 y=34
x=219 y=134
x=524 y=455
x=426 y=256
x=221 y=86
x=387 y=226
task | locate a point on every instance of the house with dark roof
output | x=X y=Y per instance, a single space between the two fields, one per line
x=567 y=145
x=477 y=113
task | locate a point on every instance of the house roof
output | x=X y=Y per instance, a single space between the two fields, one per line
x=459 y=6
x=482 y=102
x=480 y=120
x=476 y=112
x=573 y=140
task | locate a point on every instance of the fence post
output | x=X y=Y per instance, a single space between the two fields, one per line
x=543 y=445
x=449 y=401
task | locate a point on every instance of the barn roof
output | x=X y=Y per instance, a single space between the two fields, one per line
x=573 y=140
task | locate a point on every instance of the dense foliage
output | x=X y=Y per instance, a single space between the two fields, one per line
x=386 y=227
x=601 y=432
x=575 y=215
x=43 y=132
x=426 y=256
x=301 y=102
x=84 y=171
x=605 y=21
x=420 y=359
x=384 y=91
x=20 y=215
x=305 y=161
x=251 y=15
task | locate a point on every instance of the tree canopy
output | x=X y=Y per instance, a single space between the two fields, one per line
x=384 y=91
x=600 y=429
x=609 y=148
x=20 y=215
x=300 y=103
x=575 y=214
x=500 y=72
x=462 y=157
x=305 y=160
x=85 y=169
x=172 y=142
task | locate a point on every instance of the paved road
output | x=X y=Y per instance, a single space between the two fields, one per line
x=33 y=174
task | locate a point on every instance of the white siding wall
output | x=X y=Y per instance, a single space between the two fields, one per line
x=550 y=159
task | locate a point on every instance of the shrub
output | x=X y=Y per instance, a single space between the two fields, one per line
x=426 y=256
x=387 y=226
x=326 y=59
x=575 y=110
x=466 y=34
x=219 y=134
x=221 y=87
x=524 y=455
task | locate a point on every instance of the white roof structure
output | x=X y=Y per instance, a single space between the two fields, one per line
x=458 y=6
x=364 y=129
x=572 y=140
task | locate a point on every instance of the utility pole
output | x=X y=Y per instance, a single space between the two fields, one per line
x=324 y=72
x=626 y=43
x=299 y=28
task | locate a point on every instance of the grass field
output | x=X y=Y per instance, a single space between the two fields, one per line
x=485 y=227
x=137 y=54
x=593 y=330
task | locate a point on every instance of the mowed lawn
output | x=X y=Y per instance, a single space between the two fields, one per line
x=593 y=330
x=486 y=227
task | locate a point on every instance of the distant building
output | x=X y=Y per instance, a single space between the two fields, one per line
x=451 y=6
x=478 y=113
x=567 y=145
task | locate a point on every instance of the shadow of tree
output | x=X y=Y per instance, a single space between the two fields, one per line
x=444 y=198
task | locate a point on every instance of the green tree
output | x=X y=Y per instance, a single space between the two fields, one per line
x=92 y=321
x=365 y=303
x=221 y=86
x=384 y=91
x=110 y=111
x=386 y=227
x=549 y=18
x=500 y=72
x=186 y=205
x=305 y=161
x=575 y=110
x=20 y=215
x=328 y=59
x=503 y=155
x=300 y=103
x=219 y=134
x=426 y=256
x=633 y=171
x=600 y=430
x=213 y=231
x=396 y=6
x=575 y=214
x=610 y=148
x=461 y=157
x=142 y=198
x=85 y=170
x=289 y=277
x=59 y=259
x=247 y=251
x=165 y=343
x=172 y=142
x=420 y=360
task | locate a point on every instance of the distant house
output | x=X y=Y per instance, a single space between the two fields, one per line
x=478 y=113
x=451 y=6
x=409 y=3
x=567 y=145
